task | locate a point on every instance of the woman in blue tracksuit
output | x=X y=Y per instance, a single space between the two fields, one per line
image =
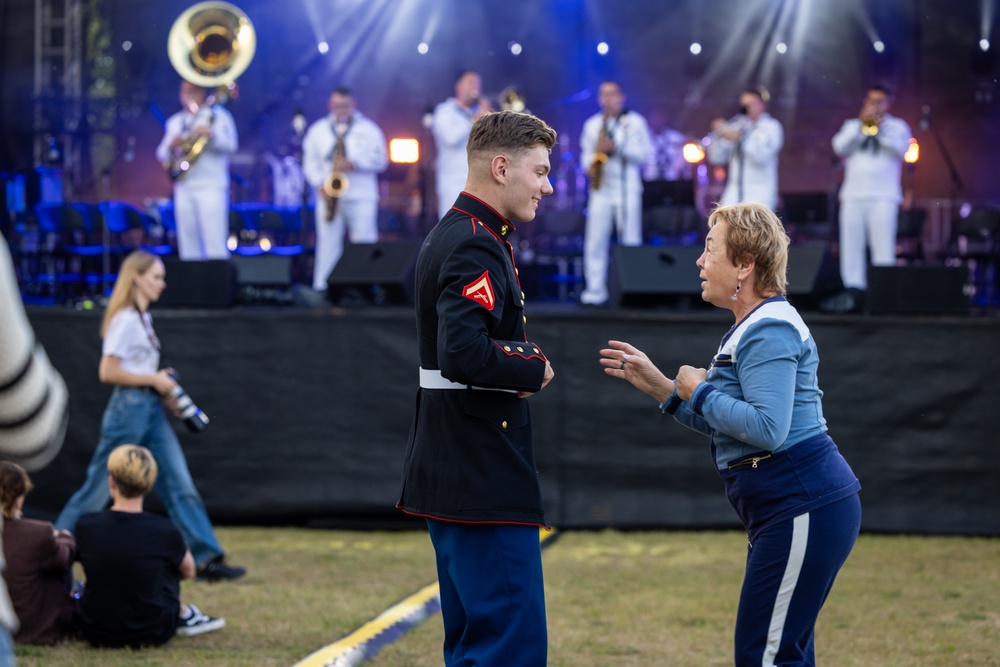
x=760 y=404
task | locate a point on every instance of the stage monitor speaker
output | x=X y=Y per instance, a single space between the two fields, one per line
x=263 y=270
x=657 y=275
x=812 y=274
x=374 y=272
x=199 y=284
x=918 y=289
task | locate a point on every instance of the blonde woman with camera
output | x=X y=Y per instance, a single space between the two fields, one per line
x=135 y=413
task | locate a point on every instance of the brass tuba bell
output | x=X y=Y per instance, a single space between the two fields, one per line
x=210 y=44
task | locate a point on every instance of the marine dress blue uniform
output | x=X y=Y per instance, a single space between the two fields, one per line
x=761 y=407
x=470 y=464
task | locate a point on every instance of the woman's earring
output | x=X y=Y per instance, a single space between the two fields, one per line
x=739 y=286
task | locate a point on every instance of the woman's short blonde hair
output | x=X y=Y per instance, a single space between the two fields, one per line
x=756 y=233
x=14 y=483
x=134 y=470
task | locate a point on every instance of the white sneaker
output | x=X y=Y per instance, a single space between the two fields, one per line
x=197 y=623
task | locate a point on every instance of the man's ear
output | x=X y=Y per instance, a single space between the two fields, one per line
x=498 y=167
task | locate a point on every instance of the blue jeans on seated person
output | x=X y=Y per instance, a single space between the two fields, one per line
x=135 y=416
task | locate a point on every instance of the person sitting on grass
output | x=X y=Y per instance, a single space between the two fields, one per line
x=134 y=562
x=39 y=566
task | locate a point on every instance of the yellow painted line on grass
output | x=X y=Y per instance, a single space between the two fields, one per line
x=388 y=626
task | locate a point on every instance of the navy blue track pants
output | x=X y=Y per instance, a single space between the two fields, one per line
x=789 y=573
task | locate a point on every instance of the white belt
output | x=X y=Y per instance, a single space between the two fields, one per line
x=431 y=379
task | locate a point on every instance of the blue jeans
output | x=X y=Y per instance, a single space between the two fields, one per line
x=135 y=416
x=7 y=658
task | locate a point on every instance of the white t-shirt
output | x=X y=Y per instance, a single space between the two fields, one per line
x=133 y=341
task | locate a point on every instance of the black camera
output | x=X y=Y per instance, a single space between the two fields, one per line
x=195 y=420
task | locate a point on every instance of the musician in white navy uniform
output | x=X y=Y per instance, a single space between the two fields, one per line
x=201 y=194
x=761 y=406
x=749 y=144
x=450 y=124
x=619 y=140
x=872 y=147
x=361 y=156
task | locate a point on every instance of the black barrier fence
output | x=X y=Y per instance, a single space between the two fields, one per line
x=310 y=411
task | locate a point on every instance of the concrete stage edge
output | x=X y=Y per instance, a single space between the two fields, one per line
x=310 y=411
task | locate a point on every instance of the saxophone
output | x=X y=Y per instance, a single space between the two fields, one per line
x=596 y=171
x=336 y=183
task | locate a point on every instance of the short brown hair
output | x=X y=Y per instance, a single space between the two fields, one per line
x=755 y=232
x=134 y=470
x=509 y=131
x=14 y=483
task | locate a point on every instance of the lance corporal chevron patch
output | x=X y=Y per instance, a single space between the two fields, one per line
x=480 y=290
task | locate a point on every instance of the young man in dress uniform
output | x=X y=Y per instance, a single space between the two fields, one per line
x=470 y=463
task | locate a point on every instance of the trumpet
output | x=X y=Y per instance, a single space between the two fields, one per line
x=210 y=44
x=336 y=183
x=869 y=125
x=737 y=123
x=511 y=99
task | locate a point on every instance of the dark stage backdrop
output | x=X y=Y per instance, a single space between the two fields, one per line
x=310 y=411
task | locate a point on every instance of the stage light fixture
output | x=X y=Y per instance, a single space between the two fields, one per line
x=984 y=45
x=323 y=47
x=232 y=242
x=404 y=151
x=603 y=48
x=515 y=48
x=781 y=47
x=879 y=46
x=264 y=243
x=695 y=48
x=912 y=152
x=693 y=153
x=127 y=45
x=422 y=48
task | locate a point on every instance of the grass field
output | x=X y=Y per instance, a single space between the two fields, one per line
x=629 y=599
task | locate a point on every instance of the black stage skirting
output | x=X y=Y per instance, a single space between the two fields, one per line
x=310 y=411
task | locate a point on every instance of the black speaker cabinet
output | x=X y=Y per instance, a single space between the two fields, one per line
x=918 y=289
x=654 y=275
x=263 y=270
x=203 y=284
x=378 y=272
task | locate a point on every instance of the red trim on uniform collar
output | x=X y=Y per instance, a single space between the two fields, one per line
x=502 y=220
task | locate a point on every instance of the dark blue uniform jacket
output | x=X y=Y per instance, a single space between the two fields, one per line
x=470 y=455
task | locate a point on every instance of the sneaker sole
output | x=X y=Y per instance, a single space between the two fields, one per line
x=201 y=628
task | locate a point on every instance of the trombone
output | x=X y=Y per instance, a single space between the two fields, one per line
x=210 y=44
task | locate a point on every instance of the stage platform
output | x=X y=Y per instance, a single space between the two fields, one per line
x=310 y=410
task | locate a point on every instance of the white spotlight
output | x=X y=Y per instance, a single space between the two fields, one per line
x=781 y=47
x=422 y=48
x=323 y=47
x=879 y=45
x=695 y=48
x=515 y=48
x=602 y=48
x=127 y=45
x=984 y=44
